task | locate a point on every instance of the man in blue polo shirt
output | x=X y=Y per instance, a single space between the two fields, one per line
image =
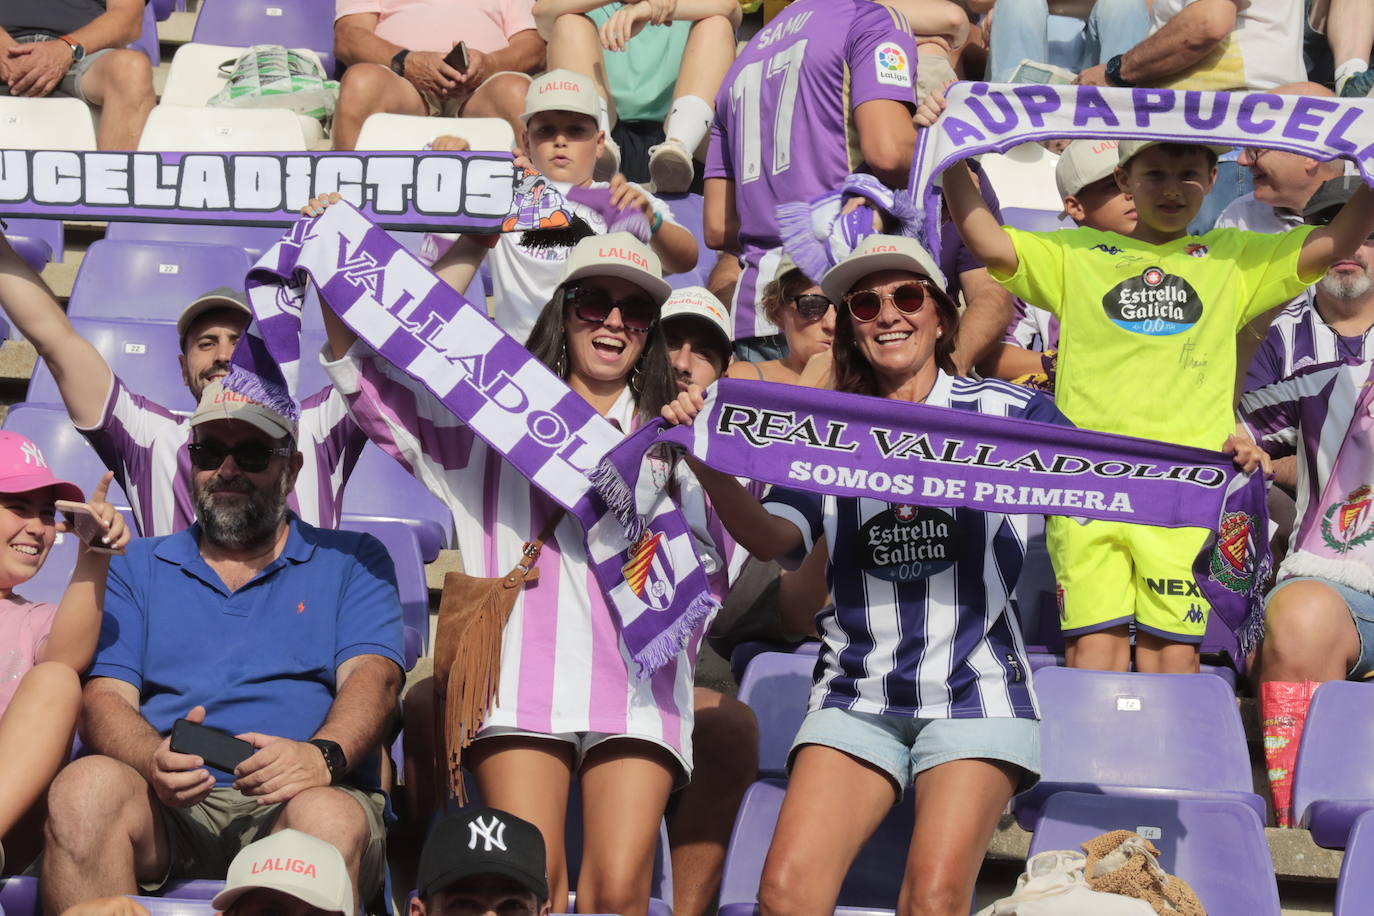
x=257 y=624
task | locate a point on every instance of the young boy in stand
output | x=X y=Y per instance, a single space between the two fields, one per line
x=1148 y=322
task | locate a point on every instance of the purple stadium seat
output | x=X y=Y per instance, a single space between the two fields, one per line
x=1115 y=733
x=293 y=23
x=1217 y=846
x=38 y=241
x=379 y=488
x=402 y=543
x=745 y=652
x=252 y=239
x=173 y=906
x=193 y=888
x=68 y=453
x=687 y=210
x=1034 y=220
x=1355 y=889
x=19 y=896
x=143 y=354
x=147 y=40
x=1333 y=783
x=776 y=686
x=150 y=281
x=870 y=888
x=162 y=9
x=1040 y=660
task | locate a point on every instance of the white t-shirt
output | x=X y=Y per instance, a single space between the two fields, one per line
x=523 y=279
x=1251 y=215
x=1264 y=50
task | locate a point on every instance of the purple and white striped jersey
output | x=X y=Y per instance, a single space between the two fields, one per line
x=784 y=125
x=1300 y=337
x=145 y=445
x=922 y=624
x=564 y=667
x=1032 y=328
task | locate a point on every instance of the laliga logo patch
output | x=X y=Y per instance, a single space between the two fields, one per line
x=1232 y=562
x=1155 y=303
x=891 y=65
x=648 y=573
x=1346 y=524
x=908 y=542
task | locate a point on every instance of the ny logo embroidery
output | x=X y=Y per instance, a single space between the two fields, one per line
x=32 y=455
x=492 y=833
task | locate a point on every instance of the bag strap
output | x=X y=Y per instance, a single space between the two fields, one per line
x=524 y=571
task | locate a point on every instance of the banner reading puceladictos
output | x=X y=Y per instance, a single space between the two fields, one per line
x=993 y=117
x=438 y=191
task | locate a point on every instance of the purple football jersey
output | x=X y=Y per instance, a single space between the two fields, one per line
x=784 y=126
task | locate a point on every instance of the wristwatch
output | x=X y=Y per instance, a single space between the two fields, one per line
x=333 y=757
x=398 y=63
x=1113 y=74
x=78 y=49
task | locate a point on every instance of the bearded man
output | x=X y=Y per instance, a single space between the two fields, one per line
x=253 y=622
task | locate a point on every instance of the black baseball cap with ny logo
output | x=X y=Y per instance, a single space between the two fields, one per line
x=483 y=841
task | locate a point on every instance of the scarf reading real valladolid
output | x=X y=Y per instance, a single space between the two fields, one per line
x=641 y=548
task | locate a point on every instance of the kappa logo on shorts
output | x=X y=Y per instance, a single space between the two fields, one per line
x=1154 y=303
x=891 y=65
x=1194 y=614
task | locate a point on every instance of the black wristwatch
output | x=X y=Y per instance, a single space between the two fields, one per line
x=333 y=757
x=1114 y=77
x=398 y=63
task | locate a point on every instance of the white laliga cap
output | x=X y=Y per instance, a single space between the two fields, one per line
x=560 y=90
x=294 y=863
x=875 y=253
x=618 y=254
x=698 y=302
x=1082 y=163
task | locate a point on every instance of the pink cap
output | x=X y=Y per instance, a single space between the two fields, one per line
x=23 y=468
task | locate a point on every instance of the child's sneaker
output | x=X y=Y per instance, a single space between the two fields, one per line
x=670 y=167
x=608 y=163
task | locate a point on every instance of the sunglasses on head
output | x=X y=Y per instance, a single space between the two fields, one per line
x=209 y=454
x=866 y=304
x=811 y=306
x=637 y=312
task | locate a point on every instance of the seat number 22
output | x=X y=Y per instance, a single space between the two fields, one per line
x=745 y=96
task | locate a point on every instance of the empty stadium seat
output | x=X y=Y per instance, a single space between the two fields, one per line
x=147 y=41
x=403 y=545
x=1118 y=733
x=687 y=210
x=47 y=123
x=1333 y=783
x=68 y=453
x=143 y=354
x=151 y=281
x=37 y=241
x=776 y=686
x=384 y=131
x=252 y=239
x=1023 y=178
x=379 y=488
x=292 y=23
x=1216 y=845
x=213 y=130
x=1355 y=889
x=870 y=888
x=163 y=9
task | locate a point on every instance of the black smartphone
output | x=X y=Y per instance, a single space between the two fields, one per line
x=458 y=57
x=218 y=749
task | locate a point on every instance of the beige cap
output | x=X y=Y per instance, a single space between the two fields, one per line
x=875 y=253
x=1082 y=163
x=223 y=297
x=294 y=863
x=560 y=90
x=698 y=302
x=1128 y=149
x=617 y=254
x=219 y=403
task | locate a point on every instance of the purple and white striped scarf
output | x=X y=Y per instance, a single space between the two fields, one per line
x=655 y=584
x=851 y=445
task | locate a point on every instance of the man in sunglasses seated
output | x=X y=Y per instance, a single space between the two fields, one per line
x=257 y=624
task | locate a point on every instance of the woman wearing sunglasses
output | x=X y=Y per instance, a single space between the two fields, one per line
x=569 y=702
x=806 y=317
x=922 y=676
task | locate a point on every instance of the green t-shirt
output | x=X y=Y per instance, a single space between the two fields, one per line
x=1147 y=341
x=642 y=76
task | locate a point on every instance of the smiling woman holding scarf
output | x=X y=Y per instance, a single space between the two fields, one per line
x=569 y=700
x=922 y=677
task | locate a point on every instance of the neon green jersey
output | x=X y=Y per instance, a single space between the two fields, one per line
x=1147 y=340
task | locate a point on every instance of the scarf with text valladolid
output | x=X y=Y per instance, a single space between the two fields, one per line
x=851 y=445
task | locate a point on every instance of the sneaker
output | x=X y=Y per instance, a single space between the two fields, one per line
x=1359 y=85
x=608 y=163
x=670 y=167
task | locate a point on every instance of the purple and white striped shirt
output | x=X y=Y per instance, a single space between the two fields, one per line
x=145 y=445
x=1032 y=328
x=1300 y=337
x=922 y=624
x=564 y=667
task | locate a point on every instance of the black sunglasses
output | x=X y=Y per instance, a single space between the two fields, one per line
x=812 y=306
x=865 y=305
x=209 y=454
x=637 y=313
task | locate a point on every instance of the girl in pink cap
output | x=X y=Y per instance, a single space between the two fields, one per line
x=43 y=647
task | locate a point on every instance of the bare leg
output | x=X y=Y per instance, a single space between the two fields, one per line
x=421 y=782
x=725 y=758
x=724 y=276
x=365 y=90
x=1350 y=30
x=121 y=83
x=501 y=97
x=957 y=806
x=709 y=52
x=36 y=737
x=833 y=804
x=102 y=834
x=625 y=786
x=1107 y=650
x=335 y=817
x=1308 y=635
x=576 y=45
x=1157 y=655
x=529 y=777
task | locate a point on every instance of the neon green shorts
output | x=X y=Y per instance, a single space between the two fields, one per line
x=1111 y=573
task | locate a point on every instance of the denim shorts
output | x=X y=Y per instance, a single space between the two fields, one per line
x=904 y=747
x=1361 y=607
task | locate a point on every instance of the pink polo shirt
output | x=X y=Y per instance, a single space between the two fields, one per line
x=437 y=25
x=23 y=627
